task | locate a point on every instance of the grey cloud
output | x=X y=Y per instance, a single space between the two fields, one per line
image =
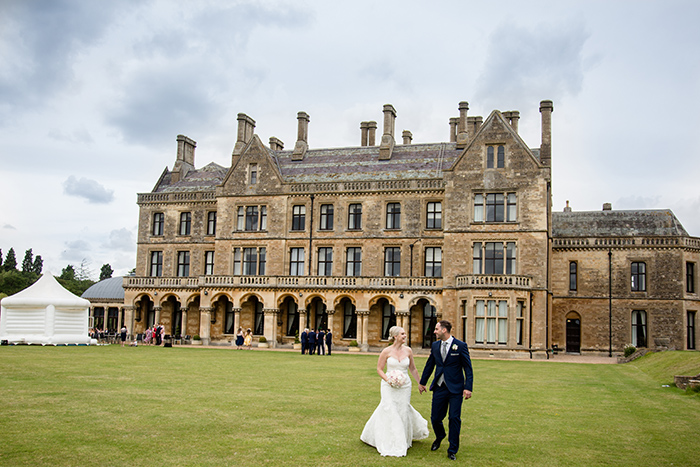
x=9 y=227
x=637 y=202
x=75 y=251
x=121 y=240
x=80 y=135
x=526 y=65
x=91 y=190
x=44 y=37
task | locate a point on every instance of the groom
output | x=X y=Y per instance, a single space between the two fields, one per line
x=452 y=383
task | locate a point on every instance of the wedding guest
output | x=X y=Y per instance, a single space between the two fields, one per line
x=122 y=333
x=239 y=339
x=320 y=342
x=395 y=423
x=312 y=342
x=248 y=340
x=329 y=340
x=149 y=336
x=304 y=341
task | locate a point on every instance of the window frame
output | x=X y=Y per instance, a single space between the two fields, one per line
x=297 y=258
x=183 y=263
x=638 y=276
x=185 y=223
x=495 y=207
x=157 y=262
x=393 y=216
x=211 y=223
x=392 y=261
x=209 y=263
x=573 y=276
x=299 y=217
x=353 y=261
x=326 y=212
x=324 y=261
x=433 y=217
x=637 y=327
x=689 y=277
x=355 y=216
x=432 y=267
x=158 y=224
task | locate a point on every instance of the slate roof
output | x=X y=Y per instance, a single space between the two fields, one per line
x=651 y=222
x=203 y=179
x=414 y=161
x=108 y=289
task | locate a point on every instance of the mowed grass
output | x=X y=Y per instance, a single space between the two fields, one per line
x=113 y=405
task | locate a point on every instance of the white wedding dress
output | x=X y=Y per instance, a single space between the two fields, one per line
x=395 y=423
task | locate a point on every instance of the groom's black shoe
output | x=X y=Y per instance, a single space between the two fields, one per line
x=436 y=445
x=451 y=456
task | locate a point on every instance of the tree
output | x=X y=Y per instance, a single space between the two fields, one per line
x=0 y=260
x=28 y=261
x=10 y=263
x=68 y=273
x=83 y=273
x=38 y=265
x=106 y=272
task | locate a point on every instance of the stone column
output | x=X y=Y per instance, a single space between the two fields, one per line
x=129 y=320
x=330 y=319
x=365 y=331
x=302 y=320
x=183 y=323
x=402 y=320
x=237 y=318
x=205 y=324
x=271 y=325
x=104 y=323
x=157 y=317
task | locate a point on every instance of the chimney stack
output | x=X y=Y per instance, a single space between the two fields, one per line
x=407 y=137
x=454 y=121
x=184 y=161
x=371 y=133
x=387 y=145
x=363 y=133
x=302 y=137
x=514 y=119
x=607 y=206
x=276 y=144
x=462 y=132
x=246 y=126
x=546 y=109
x=567 y=208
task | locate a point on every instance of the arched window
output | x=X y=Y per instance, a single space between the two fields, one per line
x=388 y=317
x=429 y=322
x=292 y=316
x=349 y=319
x=259 y=317
x=320 y=313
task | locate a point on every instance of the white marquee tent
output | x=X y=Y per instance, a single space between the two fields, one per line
x=44 y=313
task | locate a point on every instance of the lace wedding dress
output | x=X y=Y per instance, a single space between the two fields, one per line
x=395 y=423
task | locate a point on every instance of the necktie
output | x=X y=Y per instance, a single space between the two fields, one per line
x=444 y=350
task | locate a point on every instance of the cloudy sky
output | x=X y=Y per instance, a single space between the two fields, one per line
x=93 y=95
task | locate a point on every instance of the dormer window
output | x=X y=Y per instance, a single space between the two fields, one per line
x=495 y=154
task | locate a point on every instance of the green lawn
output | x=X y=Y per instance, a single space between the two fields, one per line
x=151 y=406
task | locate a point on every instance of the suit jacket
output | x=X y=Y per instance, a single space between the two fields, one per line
x=319 y=337
x=304 y=338
x=329 y=338
x=312 y=337
x=457 y=367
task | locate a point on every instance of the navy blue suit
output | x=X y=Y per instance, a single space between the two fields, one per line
x=457 y=370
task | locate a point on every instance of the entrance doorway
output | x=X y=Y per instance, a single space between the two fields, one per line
x=573 y=333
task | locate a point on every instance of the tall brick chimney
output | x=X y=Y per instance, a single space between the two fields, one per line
x=462 y=132
x=184 y=162
x=246 y=127
x=363 y=133
x=454 y=121
x=302 y=136
x=371 y=133
x=546 y=109
x=387 y=145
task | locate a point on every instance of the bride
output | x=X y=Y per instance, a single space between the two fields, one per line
x=395 y=423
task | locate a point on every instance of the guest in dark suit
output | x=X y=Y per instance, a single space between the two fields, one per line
x=320 y=342
x=329 y=340
x=451 y=385
x=304 y=341
x=312 y=342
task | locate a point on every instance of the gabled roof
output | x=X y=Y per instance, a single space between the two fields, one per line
x=45 y=291
x=651 y=222
x=203 y=179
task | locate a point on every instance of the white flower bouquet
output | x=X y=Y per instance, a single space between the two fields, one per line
x=396 y=379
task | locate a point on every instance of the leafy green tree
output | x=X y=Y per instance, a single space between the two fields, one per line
x=106 y=272
x=10 y=263
x=0 y=260
x=38 y=265
x=14 y=281
x=68 y=273
x=28 y=261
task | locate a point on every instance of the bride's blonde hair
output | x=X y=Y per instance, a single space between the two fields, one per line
x=393 y=332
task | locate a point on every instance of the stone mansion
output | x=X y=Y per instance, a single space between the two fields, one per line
x=358 y=239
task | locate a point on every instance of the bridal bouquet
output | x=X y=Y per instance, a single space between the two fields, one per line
x=396 y=378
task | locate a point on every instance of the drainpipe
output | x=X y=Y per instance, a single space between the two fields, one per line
x=610 y=302
x=311 y=234
x=549 y=248
x=529 y=337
